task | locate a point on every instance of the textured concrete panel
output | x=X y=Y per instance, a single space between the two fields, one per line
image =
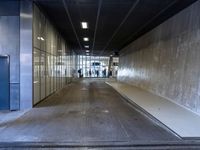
x=14 y=96
x=166 y=61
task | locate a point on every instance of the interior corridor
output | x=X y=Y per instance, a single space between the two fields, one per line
x=87 y=110
x=100 y=74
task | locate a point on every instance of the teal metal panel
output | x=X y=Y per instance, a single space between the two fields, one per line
x=4 y=83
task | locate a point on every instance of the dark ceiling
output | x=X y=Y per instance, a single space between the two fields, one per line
x=112 y=23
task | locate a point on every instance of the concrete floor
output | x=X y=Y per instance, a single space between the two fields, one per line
x=85 y=111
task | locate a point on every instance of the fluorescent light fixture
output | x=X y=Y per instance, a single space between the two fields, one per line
x=42 y=38
x=84 y=25
x=85 y=39
x=86 y=46
x=87 y=51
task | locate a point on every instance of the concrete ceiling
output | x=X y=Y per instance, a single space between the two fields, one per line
x=112 y=23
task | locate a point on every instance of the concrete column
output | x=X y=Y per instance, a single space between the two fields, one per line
x=26 y=54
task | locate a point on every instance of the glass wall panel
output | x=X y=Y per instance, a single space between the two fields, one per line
x=42 y=74
x=51 y=58
x=36 y=26
x=48 y=74
x=53 y=74
x=36 y=76
x=48 y=36
x=42 y=32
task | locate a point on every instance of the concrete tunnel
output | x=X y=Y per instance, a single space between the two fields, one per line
x=100 y=74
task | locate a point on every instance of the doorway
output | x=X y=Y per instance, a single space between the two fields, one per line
x=4 y=83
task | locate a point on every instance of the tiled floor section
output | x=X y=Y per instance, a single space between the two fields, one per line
x=86 y=111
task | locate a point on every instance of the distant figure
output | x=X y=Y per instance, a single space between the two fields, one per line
x=110 y=73
x=79 y=72
x=104 y=73
x=116 y=72
x=90 y=73
x=97 y=73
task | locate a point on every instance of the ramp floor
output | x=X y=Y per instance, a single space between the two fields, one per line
x=88 y=110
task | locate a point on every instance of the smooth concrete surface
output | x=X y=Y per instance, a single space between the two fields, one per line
x=165 y=61
x=85 y=111
x=179 y=119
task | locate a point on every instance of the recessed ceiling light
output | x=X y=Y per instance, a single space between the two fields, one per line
x=111 y=55
x=84 y=25
x=87 y=51
x=85 y=39
x=86 y=46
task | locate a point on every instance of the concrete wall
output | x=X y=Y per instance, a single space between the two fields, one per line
x=166 y=60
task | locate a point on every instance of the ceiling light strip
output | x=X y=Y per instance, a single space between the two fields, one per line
x=68 y=14
x=96 y=25
x=120 y=25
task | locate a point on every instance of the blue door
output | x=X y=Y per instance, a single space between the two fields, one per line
x=4 y=83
